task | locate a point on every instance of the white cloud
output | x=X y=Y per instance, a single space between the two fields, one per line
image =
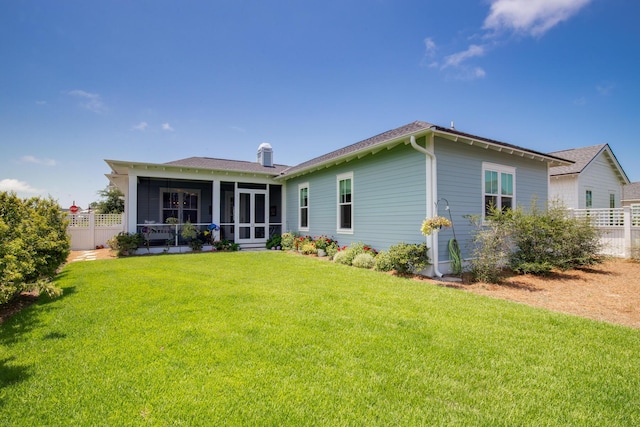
x=457 y=58
x=167 y=127
x=38 y=161
x=580 y=101
x=430 y=47
x=238 y=129
x=41 y=102
x=90 y=101
x=9 y=184
x=142 y=126
x=605 y=89
x=529 y=17
x=479 y=73
x=533 y=17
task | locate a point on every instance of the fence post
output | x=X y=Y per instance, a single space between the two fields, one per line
x=92 y=229
x=627 y=231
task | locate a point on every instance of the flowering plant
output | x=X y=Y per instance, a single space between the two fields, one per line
x=435 y=223
x=323 y=241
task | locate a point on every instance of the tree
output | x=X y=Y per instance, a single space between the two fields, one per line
x=112 y=201
x=33 y=244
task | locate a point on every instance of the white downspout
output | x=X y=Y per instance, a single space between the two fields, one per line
x=433 y=192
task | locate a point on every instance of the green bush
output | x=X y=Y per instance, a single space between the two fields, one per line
x=533 y=242
x=364 y=260
x=352 y=251
x=384 y=262
x=490 y=248
x=274 y=241
x=308 y=248
x=405 y=258
x=331 y=249
x=126 y=243
x=342 y=257
x=226 y=245
x=287 y=241
x=33 y=244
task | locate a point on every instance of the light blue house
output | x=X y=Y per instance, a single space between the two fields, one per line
x=377 y=191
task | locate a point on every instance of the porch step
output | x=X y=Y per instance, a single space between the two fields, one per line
x=253 y=247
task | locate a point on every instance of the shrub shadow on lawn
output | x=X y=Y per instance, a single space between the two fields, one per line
x=18 y=321
x=10 y=375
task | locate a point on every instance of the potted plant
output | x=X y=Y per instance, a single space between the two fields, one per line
x=435 y=223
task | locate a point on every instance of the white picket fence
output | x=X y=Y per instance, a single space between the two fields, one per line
x=91 y=230
x=619 y=229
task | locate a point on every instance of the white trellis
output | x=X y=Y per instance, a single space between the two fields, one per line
x=90 y=230
x=619 y=229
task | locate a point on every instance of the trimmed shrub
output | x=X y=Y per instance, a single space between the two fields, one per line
x=409 y=257
x=342 y=257
x=364 y=260
x=354 y=250
x=383 y=262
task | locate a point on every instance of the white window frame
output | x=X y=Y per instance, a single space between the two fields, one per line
x=179 y=208
x=500 y=169
x=588 y=198
x=300 y=207
x=342 y=177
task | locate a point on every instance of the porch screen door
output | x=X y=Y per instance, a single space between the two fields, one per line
x=252 y=216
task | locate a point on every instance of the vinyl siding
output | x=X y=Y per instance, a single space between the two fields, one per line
x=389 y=197
x=564 y=189
x=599 y=177
x=460 y=183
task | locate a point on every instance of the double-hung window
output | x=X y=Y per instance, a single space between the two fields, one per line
x=498 y=187
x=588 y=199
x=345 y=202
x=303 y=206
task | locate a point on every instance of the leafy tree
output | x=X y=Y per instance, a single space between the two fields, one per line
x=33 y=244
x=112 y=201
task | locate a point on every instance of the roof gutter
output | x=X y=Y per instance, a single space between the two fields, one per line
x=432 y=193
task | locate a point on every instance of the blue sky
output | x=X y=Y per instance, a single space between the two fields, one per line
x=155 y=81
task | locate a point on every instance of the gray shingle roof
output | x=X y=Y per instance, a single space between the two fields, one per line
x=382 y=138
x=395 y=134
x=581 y=156
x=631 y=191
x=227 y=165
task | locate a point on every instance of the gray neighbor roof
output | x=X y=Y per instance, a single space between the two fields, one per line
x=631 y=191
x=369 y=143
x=228 y=165
x=581 y=156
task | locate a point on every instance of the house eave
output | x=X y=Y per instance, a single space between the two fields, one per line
x=374 y=149
x=512 y=150
x=120 y=167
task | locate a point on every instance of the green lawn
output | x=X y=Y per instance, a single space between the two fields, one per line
x=278 y=339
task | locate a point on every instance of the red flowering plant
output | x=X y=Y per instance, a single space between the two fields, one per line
x=301 y=241
x=323 y=241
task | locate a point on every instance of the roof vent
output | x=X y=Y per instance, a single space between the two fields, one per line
x=452 y=126
x=265 y=155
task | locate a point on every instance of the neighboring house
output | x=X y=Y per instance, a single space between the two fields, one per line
x=593 y=181
x=377 y=191
x=631 y=194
